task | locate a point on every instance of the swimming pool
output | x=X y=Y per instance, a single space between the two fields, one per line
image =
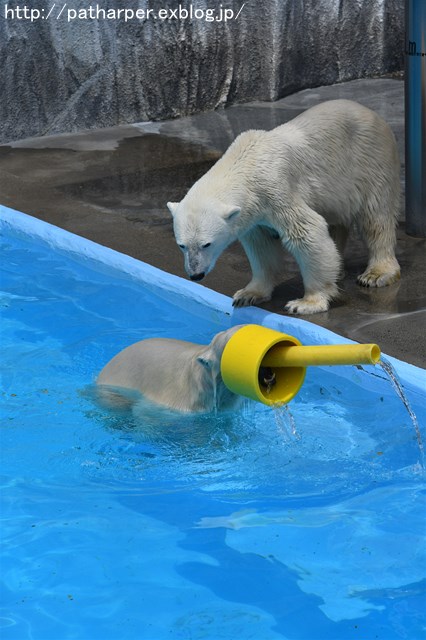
x=217 y=527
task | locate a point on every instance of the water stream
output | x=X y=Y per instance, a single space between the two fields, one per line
x=286 y=424
x=393 y=379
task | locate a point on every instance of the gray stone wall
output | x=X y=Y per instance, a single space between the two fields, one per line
x=62 y=75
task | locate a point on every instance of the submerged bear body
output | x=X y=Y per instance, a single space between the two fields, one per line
x=182 y=376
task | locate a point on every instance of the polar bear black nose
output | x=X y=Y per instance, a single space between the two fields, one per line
x=197 y=276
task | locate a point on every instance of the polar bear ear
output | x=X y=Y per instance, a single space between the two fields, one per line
x=207 y=358
x=172 y=206
x=205 y=361
x=231 y=212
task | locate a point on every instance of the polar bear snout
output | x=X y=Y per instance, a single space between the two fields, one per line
x=198 y=262
x=196 y=277
x=194 y=267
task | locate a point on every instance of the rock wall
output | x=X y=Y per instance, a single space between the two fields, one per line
x=61 y=72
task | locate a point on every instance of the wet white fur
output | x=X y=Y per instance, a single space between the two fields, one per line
x=305 y=182
x=179 y=375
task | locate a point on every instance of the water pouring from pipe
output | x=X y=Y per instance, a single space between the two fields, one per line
x=269 y=367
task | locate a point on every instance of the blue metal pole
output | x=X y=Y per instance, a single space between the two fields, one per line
x=415 y=117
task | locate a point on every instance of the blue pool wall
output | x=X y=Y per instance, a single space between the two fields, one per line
x=201 y=301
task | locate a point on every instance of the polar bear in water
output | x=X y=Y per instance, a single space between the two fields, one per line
x=179 y=375
x=300 y=187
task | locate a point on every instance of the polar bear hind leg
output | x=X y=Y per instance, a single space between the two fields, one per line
x=378 y=228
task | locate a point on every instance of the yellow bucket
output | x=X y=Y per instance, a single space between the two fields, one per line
x=254 y=347
x=244 y=355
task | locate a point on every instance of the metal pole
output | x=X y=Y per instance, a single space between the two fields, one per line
x=415 y=117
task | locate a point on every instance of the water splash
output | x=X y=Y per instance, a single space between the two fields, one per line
x=286 y=424
x=397 y=386
x=284 y=419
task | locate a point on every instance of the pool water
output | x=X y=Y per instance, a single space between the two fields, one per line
x=148 y=526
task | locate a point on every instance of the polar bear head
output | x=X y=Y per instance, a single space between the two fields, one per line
x=202 y=232
x=211 y=355
x=210 y=359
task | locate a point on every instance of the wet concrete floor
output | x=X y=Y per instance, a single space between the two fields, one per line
x=112 y=185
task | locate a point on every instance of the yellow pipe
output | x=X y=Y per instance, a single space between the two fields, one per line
x=282 y=356
x=253 y=348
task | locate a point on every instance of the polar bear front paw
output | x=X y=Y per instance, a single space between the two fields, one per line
x=248 y=296
x=379 y=276
x=314 y=303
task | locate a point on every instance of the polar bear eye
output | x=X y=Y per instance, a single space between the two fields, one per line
x=182 y=246
x=206 y=245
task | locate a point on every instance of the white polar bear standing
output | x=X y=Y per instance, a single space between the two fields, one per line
x=179 y=375
x=301 y=186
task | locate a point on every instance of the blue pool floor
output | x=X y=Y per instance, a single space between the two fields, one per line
x=135 y=526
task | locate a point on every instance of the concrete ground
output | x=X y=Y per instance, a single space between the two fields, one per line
x=111 y=186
